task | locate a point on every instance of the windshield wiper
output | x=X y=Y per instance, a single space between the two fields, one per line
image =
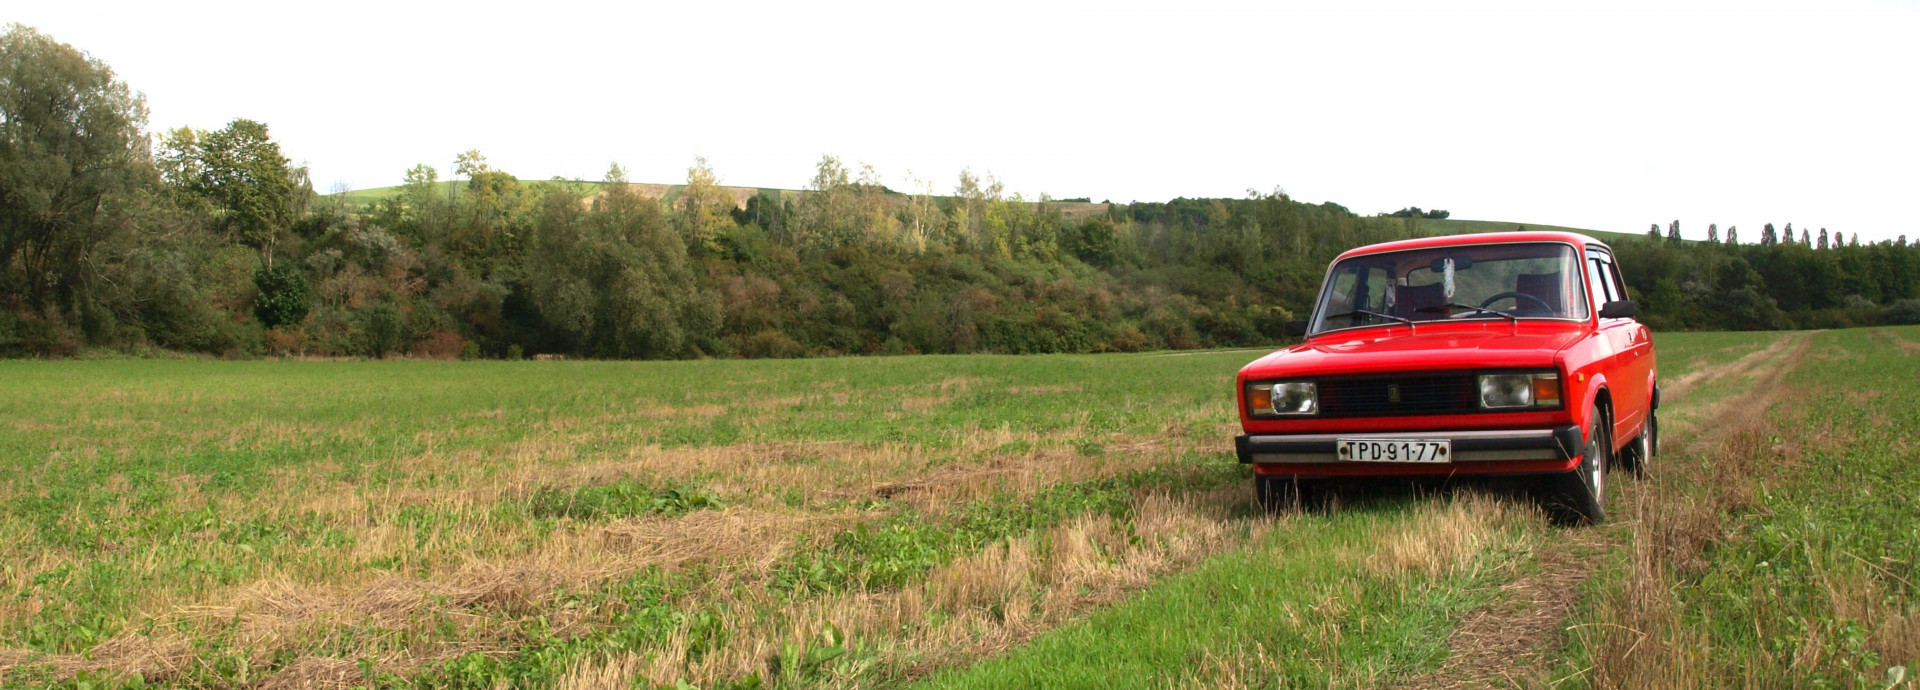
x=1450 y=306
x=1356 y=312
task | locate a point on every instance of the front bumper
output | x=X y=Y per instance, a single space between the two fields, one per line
x=1476 y=451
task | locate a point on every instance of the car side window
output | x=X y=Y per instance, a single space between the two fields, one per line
x=1597 y=282
x=1614 y=284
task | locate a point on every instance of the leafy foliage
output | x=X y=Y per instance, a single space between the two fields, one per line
x=240 y=174
x=283 y=296
x=73 y=161
x=619 y=499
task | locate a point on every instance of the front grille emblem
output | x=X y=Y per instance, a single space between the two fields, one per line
x=1393 y=393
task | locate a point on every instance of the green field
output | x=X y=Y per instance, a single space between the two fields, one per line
x=952 y=521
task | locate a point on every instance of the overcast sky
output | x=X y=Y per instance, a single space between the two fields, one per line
x=1608 y=116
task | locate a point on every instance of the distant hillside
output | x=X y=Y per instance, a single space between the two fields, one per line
x=1070 y=210
x=666 y=191
x=1462 y=227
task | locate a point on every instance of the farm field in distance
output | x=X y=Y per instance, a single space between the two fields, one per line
x=946 y=521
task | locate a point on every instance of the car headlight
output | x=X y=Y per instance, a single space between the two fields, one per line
x=1283 y=399
x=1513 y=391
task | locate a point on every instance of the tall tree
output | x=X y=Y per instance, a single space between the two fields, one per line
x=1733 y=234
x=1713 y=233
x=829 y=217
x=704 y=211
x=239 y=171
x=1823 y=238
x=1805 y=238
x=1767 y=236
x=613 y=281
x=1673 y=232
x=1854 y=241
x=1653 y=231
x=489 y=209
x=71 y=154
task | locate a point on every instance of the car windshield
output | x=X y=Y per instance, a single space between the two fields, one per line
x=1488 y=281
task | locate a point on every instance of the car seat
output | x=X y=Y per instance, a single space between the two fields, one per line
x=1544 y=286
x=1409 y=299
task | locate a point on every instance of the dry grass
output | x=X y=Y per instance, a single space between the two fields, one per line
x=1445 y=538
x=1241 y=668
x=484 y=600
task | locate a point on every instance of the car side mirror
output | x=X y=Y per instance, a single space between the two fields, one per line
x=1618 y=309
x=1296 y=329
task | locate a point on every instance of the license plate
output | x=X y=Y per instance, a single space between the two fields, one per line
x=1394 y=450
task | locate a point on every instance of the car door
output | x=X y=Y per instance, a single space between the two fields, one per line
x=1631 y=361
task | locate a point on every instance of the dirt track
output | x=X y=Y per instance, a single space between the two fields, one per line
x=1514 y=639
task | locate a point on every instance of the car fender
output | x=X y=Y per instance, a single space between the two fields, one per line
x=1589 y=402
x=1585 y=376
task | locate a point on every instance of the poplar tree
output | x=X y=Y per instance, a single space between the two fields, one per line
x=1673 y=232
x=1713 y=233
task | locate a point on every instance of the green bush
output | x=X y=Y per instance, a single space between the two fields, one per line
x=381 y=328
x=28 y=334
x=770 y=344
x=284 y=296
x=1905 y=312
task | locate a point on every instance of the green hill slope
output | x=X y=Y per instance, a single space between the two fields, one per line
x=1073 y=210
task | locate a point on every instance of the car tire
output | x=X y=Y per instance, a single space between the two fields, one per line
x=1644 y=447
x=1279 y=494
x=1580 y=497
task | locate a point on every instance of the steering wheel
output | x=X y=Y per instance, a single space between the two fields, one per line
x=1517 y=297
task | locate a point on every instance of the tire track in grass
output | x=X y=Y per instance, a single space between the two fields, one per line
x=1354 y=597
x=715 y=627
x=1515 y=640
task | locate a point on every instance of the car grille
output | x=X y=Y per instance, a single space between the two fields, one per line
x=1390 y=396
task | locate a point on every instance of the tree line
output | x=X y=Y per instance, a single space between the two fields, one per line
x=1780 y=282
x=212 y=241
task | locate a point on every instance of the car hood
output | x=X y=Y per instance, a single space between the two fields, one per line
x=1375 y=350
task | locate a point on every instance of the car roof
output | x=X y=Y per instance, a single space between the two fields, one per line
x=1573 y=238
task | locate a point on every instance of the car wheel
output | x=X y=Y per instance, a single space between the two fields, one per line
x=1580 y=497
x=1653 y=432
x=1281 y=493
x=1645 y=446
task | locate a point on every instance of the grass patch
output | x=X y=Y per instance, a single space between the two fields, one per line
x=623 y=498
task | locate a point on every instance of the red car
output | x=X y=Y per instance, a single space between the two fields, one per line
x=1496 y=354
